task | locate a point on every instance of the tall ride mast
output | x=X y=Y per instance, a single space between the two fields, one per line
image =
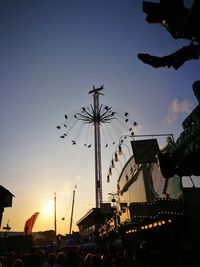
x=97 y=141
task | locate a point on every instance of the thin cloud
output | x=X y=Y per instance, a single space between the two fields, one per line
x=176 y=107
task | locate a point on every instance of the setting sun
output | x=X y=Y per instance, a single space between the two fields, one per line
x=49 y=208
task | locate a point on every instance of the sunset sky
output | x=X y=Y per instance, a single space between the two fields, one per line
x=51 y=54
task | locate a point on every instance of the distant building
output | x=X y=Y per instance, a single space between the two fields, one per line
x=90 y=224
x=5 y=200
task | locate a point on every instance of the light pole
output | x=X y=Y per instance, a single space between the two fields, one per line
x=55 y=220
x=70 y=227
x=113 y=200
x=113 y=197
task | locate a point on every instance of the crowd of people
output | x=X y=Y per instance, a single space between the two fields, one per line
x=108 y=256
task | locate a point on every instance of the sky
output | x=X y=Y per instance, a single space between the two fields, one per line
x=51 y=54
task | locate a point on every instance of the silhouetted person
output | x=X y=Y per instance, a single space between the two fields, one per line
x=120 y=261
x=43 y=259
x=87 y=260
x=60 y=260
x=18 y=263
x=34 y=260
x=142 y=255
x=129 y=257
x=51 y=259
x=109 y=256
x=95 y=261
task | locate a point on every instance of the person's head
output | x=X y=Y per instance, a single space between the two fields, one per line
x=34 y=260
x=128 y=254
x=18 y=263
x=60 y=258
x=51 y=258
x=120 y=261
x=2 y=261
x=42 y=254
x=87 y=259
x=95 y=261
x=143 y=245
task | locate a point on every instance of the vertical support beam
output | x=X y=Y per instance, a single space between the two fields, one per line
x=147 y=185
x=55 y=221
x=97 y=140
x=70 y=227
x=1 y=214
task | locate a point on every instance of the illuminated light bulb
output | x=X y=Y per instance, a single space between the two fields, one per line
x=155 y=224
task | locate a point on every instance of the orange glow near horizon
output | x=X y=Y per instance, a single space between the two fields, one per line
x=48 y=209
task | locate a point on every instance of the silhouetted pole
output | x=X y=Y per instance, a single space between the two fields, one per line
x=70 y=227
x=97 y=141
x=115 y=208
x=55 y=214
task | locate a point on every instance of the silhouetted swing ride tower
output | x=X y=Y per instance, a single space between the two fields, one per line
x=97 y=115
x=97 y=141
